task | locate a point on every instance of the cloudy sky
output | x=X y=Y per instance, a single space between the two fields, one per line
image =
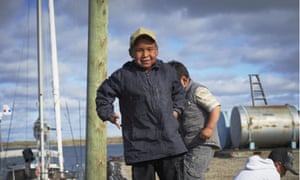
x=221 y=43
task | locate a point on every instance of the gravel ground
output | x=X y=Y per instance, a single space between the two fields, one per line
x=226 y=164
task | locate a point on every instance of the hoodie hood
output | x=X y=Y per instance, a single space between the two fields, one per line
x=259 y=169
x=256 y=162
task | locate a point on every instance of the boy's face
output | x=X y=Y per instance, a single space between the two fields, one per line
x=144 y=53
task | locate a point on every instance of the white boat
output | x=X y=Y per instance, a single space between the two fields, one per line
x=38 y=163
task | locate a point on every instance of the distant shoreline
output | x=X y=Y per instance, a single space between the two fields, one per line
x=66 y=142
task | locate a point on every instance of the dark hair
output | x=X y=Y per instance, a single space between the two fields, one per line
x=180 y=69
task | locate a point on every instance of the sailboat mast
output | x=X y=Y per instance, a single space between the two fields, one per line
x=55 y=84
x=40 y=89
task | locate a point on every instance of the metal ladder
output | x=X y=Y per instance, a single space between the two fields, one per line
x=257 y=92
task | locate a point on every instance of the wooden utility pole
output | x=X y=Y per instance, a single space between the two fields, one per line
x=97 y=71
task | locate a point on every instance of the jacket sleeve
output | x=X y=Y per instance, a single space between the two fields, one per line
x=106 y=94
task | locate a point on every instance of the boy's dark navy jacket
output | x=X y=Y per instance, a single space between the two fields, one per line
x=147 y=101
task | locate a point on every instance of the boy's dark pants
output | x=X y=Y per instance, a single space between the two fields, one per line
x=170 y=168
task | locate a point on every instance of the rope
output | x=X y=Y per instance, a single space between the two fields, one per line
x=70 y=126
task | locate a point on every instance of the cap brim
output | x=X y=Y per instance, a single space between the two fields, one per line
x=292 y=171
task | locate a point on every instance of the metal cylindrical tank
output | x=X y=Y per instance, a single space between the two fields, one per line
x=223 y=130
x=265 y=126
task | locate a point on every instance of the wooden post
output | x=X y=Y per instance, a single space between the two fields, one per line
x=96 y=162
